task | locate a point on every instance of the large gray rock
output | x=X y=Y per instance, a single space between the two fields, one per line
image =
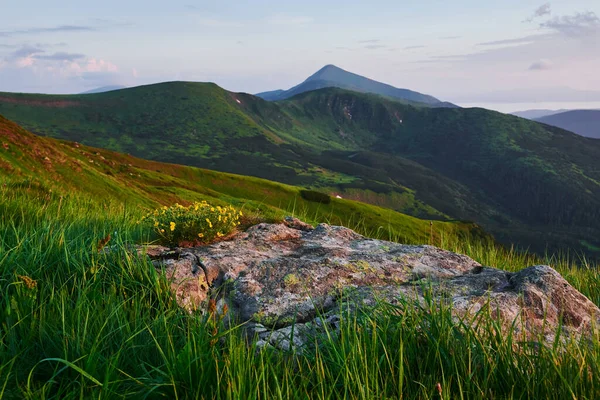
x=287 y=280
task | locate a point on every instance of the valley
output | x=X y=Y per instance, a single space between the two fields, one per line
x=530 y=185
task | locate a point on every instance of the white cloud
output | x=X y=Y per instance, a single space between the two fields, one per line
x=23 y=62
x=577 y=25
x=515 y=41
x=541 y=11
x=97 y=65
x=541 y=65
x=57 y=73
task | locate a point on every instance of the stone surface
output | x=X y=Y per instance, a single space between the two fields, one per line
x=286 y=281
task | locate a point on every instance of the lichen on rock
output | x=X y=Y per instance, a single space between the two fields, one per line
x=287 y=280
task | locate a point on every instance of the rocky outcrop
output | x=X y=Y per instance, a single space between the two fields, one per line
x=287 y=280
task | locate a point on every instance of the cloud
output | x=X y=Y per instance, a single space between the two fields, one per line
x=60 y=28
x=286 y=19
x=454 y=57
x=98 y=65
x=370 y=41
x=518 y=41
x=25 y=51
x=577 y=25
x=61 y=44
x=61 y=56
x=450 y=37
x=414 y=47
x=375 y=46
x=541 y=11
x=541 y=65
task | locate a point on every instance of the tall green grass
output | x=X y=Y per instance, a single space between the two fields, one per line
x=104 y=325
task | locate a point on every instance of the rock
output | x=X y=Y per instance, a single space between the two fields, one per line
x=286 y=280
x=188 y=281
x=295 y=223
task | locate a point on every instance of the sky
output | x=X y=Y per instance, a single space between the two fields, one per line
x=510 y=55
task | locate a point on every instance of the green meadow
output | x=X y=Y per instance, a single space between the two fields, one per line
x=76 y=323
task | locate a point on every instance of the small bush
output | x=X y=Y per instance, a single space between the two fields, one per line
x=317 y=197
x=197 y=223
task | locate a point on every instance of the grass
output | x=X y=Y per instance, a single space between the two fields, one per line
x=53 y=167
x=104 y=325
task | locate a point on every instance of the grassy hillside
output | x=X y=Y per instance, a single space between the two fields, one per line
x=54 y=168
x=77 y=323
x=527 y=183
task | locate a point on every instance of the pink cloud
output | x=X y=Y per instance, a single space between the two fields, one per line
x=25 y=62
x=98 y=65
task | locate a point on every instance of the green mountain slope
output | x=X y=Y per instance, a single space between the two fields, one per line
x=50 y=167
x=527 y=183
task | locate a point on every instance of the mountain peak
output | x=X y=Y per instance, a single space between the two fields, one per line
x=331 y=72
x=333 y=76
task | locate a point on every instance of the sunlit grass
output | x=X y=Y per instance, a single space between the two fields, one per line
x=105 y=325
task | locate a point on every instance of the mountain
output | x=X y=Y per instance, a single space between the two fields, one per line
x=104 y=89
x=534 y=114
x=332 y=76
x=583 y=122
x=527 y=183
x=50 y=167
x=273 y=95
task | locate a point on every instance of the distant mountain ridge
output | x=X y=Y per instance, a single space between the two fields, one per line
x=332 y=76
x=104 y=89
x=537 y=113
x=583 y=122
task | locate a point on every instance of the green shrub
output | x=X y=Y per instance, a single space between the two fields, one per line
x=317 y=197
x=197 y=223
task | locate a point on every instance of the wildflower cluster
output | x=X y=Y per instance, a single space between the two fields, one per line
x=27 y=281
x=197 y=223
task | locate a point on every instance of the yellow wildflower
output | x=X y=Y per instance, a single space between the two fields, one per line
x=209 y=223
x=219 y=234
x=29 y=283
x=200 y=235
x=162 y=231
x=155 y=224
x=172 y=226
x=212 y=209
x=219 y=218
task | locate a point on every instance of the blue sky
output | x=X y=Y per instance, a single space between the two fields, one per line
x=463 y=51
